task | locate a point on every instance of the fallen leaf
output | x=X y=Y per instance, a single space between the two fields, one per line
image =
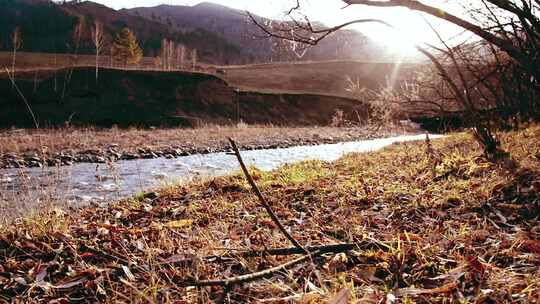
x=342 y=297
x=81 y=278
x=70 y=284
x=410 y=291
x=179 y=224
x=531 y=246
x=129 y=274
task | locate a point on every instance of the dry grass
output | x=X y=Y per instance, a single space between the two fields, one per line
x=211 y=136
x=325 y=77
x=317 y=77
x=443 y=224
x=28 y=61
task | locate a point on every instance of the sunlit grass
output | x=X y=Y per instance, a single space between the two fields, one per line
x=444 y=224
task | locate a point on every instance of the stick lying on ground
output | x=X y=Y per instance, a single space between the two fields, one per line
x=310 y=252
x=253 y=276
x=263 y=200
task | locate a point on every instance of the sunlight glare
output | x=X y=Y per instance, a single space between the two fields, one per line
x=396 y=41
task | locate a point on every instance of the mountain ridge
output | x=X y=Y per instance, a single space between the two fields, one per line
x=222 y=35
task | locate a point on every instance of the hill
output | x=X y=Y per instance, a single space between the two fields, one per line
x=236 y=27
x=221 y=35
x=48 y=27
x=154 y=98
x=317 y=77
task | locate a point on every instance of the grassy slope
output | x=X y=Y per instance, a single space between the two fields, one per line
x=324 y=77
x=441 y=227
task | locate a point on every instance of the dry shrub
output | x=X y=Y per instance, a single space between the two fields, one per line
x=383 y=103
x=338 y=119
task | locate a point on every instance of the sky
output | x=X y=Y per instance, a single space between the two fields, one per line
x=412 y=26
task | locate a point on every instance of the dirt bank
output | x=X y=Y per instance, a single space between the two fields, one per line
x=156 y=98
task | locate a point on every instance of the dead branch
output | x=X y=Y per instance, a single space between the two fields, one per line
x=436 y=12
x=334 y=248
x=304 y=32
x=263 y=200
x=253 y=276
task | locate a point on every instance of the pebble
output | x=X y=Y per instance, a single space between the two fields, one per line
x=112 y=152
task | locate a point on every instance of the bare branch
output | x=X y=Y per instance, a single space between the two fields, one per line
x=504 y=44
x=306 y=33
x=263 y=200
x=252 y=276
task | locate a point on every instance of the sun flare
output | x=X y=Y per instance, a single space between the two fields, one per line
x=397 y=42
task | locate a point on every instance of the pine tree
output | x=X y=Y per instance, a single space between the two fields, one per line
x=126 y=48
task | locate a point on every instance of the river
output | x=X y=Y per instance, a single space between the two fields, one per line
x=23 y=190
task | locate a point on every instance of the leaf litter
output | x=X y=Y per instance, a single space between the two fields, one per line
x=438 y=225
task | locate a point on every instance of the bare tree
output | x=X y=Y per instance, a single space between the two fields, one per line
x=16 y=41
x=165 y=53
x=524 y=11
x=180 y=56
x=518 y=36
x=194 y=59
x=171 y=52
x=76 y=36
x=168 y=49
x=98 y=40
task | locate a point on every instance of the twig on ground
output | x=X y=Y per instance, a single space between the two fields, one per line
x=333 y=248
x=253 y=276
x=263 y=200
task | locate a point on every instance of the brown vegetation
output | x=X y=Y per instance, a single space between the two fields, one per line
x=429 y=223
x=322 y=77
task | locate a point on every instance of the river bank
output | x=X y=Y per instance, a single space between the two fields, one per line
x=423 y=222
x=52 y=147
x=22 y=191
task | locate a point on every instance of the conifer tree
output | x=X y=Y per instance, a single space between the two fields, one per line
x=126 y=48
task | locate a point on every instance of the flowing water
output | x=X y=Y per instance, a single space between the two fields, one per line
x=26 y=189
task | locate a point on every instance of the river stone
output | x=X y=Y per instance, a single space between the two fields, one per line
x=52 y=162
x=32 y=159
x=115 y=155
x=129 y=156
x=67 y=157
x=149 y=155
x=34 y=164
x=151 y=195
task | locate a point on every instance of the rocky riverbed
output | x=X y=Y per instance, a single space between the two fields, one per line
x=130 y=144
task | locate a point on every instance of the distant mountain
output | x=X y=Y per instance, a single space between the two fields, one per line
x=220 y=34
x=44 y=27
x=237 y=28
x=48 y=27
